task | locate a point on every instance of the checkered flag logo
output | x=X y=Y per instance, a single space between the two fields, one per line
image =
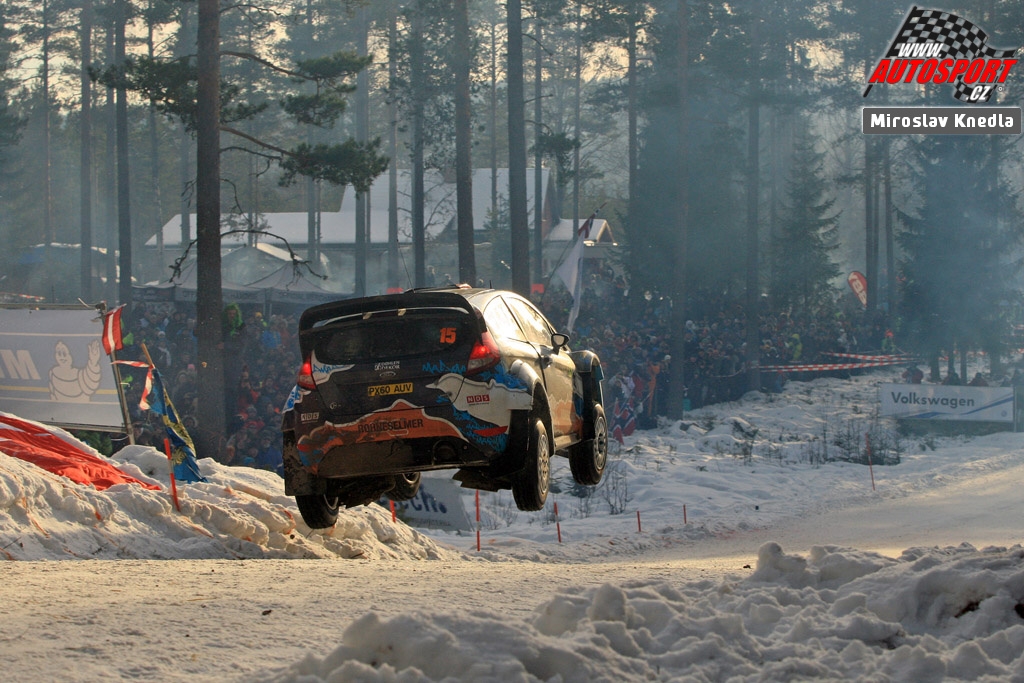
x=962 y=38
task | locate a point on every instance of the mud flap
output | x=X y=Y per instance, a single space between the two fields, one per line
x=298 y=480
x=498 y=475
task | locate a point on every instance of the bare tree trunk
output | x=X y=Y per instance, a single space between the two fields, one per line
x=45 y=68
x=393 y=275
x=85 y=172
x=677 y=381
x=48 y=236
x=312 y=206
x=631 y=106
x=154 y=156
x=362 y=134
x=890 y=237
x=463 y=145
x=185 y=142
x=417 y=78
x=494 y=119
x=577 y=106
x=124 y=220
x=753 y=294
x=110 y=176
x=871 y=224
x=313 y=248
x=538 y=156
x=520 y=227
x=209 y=300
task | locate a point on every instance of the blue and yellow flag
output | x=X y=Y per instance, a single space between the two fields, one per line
x=183 y=451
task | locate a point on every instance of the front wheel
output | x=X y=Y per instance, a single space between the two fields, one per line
x=318 y=510
x=530 y=485
x=589 y=458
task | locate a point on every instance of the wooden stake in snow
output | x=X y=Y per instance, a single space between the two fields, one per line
x=558 y=523
x=639 y=529
x=477 y=520
x=871 y=469
x=684 y=514
x=174 y=484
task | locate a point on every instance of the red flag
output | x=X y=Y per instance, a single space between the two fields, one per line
x=623 y=421
x=859 y=285
x=112 y=338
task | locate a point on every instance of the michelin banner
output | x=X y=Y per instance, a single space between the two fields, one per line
x=941 y=402
x=53 y=369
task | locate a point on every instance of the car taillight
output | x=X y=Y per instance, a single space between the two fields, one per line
x=305 y=378
x=485 y=355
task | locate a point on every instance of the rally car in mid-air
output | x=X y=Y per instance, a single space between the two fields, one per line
x=475 y=380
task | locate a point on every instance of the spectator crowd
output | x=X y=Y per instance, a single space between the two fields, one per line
x=630 y=334
x=261 y=358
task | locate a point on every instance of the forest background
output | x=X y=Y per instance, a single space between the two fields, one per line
x=722 y=140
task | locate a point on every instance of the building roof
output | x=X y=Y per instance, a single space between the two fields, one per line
x=600 y=231
x=338 y=227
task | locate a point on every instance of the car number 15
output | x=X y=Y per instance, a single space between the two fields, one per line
x=389 y=389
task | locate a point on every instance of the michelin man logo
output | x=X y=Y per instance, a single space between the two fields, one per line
x=70 y=384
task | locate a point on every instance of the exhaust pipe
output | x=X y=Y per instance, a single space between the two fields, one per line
x=444 y=452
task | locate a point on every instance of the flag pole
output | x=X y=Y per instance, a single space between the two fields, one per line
x=125 y=415
x=568 y=246
x=167 y=442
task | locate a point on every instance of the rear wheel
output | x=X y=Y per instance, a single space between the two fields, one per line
x=530 y=485
x=589 y=458
x=318 y=511
x=406 y=487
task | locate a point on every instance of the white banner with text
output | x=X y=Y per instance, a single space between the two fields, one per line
x=941 y=402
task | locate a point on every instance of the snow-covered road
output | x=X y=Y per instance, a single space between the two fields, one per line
x=786 y=570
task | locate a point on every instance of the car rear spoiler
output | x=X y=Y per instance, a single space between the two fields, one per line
x=385 y=302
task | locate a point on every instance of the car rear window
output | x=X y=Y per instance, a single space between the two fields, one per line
x=387 y=335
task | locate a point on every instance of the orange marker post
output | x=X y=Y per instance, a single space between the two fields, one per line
x=394 y=517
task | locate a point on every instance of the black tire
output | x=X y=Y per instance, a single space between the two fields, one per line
x=406 y=487
x=588 y=459
x=530 y=485
x=318 y=511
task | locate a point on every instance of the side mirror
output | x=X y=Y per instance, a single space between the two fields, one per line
x=559 y=340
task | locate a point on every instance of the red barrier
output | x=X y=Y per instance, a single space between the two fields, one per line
x=825 y=367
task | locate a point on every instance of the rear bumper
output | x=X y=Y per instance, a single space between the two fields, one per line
x=377 y=458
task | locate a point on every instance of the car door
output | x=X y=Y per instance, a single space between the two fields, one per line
x=556 y=366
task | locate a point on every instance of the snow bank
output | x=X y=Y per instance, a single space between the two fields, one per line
x=838 y=614
x=240 y=513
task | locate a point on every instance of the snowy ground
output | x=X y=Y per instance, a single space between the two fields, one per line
x=790 y=566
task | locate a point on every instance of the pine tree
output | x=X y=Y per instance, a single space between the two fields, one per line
x=802 y=266
x=956 y=277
